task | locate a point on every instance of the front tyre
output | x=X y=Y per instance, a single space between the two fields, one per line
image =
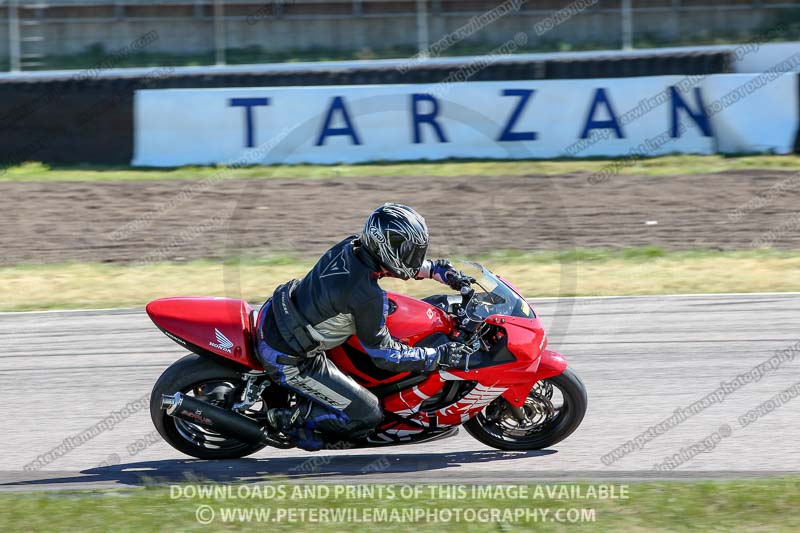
x=552 y=411
x=207 y=380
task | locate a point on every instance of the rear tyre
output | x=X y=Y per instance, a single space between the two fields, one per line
x=207 y=380
x=550 y=416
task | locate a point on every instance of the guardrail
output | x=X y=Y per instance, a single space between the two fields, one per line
x=210 y=29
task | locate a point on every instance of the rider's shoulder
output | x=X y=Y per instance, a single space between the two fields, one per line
x=364 y=289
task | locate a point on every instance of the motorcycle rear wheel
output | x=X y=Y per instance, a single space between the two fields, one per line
x=497 y=427
x=210 y=381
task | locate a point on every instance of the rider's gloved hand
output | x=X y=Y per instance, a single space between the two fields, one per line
x=450 y=355
x=441 y=269
x=444 y=272
x=455 y=280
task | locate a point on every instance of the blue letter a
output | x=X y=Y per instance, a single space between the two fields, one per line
x=337 y=104
x=600 y=97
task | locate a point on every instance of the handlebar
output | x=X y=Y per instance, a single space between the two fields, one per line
x=458 y=280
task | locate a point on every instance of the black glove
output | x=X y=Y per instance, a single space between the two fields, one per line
x=456 y=280
x=450 y=355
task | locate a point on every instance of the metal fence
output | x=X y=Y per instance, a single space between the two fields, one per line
x=58 y=33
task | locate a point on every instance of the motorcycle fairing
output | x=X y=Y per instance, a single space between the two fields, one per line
x=418 y=411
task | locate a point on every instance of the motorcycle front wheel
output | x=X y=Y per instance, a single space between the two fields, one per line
x=552 y=411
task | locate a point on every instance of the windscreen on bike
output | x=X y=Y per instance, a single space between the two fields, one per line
x=492 y=296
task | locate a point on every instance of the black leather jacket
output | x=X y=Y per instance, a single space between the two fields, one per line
x=340 y=297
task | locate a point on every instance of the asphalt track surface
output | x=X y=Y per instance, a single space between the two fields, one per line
x=641 y=358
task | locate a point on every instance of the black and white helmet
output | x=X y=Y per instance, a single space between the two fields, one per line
x=397 y=236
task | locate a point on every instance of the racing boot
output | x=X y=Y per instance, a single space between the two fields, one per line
x=283 y=419
x=288 y=422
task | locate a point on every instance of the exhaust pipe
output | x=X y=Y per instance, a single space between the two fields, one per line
x=224 y=422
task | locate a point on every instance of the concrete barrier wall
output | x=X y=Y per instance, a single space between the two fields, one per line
x=639 y=117
x=86 y=116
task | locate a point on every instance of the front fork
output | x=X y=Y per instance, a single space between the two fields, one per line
x=515 y=411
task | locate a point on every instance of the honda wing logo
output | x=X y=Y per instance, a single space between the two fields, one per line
x=223 y=343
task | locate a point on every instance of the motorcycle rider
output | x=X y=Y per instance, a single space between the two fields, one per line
x=338 y=298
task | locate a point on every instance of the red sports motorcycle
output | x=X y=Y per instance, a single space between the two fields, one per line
x=513 y=394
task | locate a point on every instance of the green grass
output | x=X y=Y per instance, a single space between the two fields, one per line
x=581 y=272
x=749 y=505
x=656 y=166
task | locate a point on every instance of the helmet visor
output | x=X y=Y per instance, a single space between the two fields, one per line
x=413 y=255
